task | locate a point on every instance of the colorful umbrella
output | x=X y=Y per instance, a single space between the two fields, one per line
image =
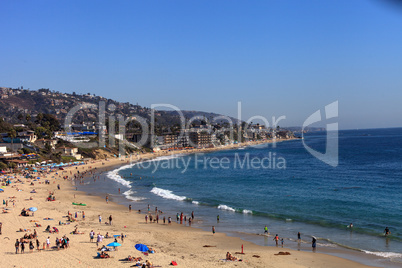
x=141 y=247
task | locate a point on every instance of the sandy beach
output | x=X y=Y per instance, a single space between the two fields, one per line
x=189 y=247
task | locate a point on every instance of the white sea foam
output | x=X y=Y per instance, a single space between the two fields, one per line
x=224 y=207
x=114 y=175
x=390 y=255
x=195 y=202
x=167 y=194
x=246 y=211
x=326 y=245
x=129 y=195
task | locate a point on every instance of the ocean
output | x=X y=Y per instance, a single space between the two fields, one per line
x=285 y=188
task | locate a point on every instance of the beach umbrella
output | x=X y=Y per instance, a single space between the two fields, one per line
x=33 y=209
x=113 y=244
x=141 y=247
x=1 y=190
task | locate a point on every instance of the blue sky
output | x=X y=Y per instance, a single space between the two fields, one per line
x=276 y=57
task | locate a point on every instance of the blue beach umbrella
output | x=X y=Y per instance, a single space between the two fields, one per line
x=33 y=209
x=1 y=190
x=141 y=247
x=113 y=244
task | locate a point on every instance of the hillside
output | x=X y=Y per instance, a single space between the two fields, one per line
x=16 y=104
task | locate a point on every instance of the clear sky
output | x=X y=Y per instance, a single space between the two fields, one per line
x=276 y=57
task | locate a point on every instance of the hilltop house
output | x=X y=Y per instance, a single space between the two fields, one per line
x=41 y=143
x=70 y=151
x=3 y=149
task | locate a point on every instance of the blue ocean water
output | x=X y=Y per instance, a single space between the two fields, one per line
x=290 y=191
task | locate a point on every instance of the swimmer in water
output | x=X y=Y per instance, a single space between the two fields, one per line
x=387 y=231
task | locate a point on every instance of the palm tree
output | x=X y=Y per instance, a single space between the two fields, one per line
x=12 y=134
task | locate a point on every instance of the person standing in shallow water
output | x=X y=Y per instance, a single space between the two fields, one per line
x=276 y=238
x=299 y=237
x=314 y=243
x=387 y=231
x=266 y=230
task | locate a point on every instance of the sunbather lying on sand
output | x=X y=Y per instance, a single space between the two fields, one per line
x=77 y=232
x=230 y=257
x=104 y=255
x=129 y=258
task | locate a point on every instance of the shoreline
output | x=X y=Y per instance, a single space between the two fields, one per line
x=172 y=242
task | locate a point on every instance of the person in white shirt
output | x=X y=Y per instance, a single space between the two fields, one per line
x=91 y=236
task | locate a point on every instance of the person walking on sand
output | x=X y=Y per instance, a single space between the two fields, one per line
x=213 y=230
x=17 y=246
x=100 y=219
x=146 y=218
x=129 y=208
x=110 y=220
x=107 y=199
x=91 y=236
x=22 y=247
x=98 y=239
x=276 y=238
x=48 y=242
